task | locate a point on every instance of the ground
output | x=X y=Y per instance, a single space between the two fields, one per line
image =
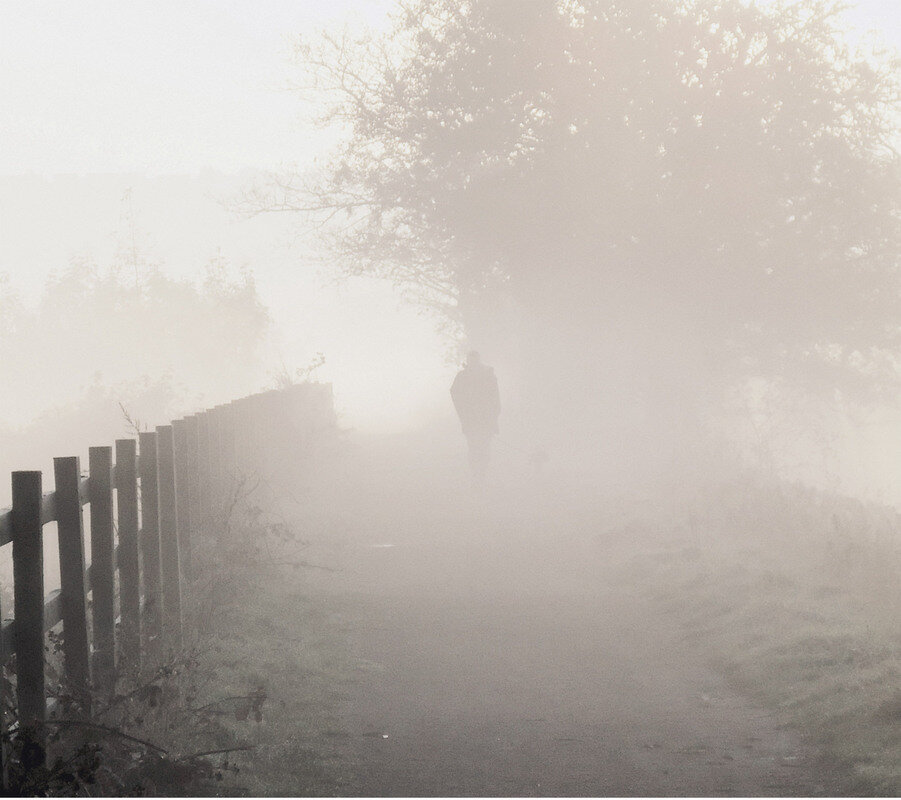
x=530 y=640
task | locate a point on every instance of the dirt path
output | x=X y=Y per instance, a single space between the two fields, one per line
x=491 y=660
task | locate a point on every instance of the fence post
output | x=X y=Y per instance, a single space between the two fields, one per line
x=171 y=575
x=258 y=426
x=195 y=511
x=184 y=494
x=4 y=782
x=129 y=564
x=151 y=627
x=248 y=454
x=287 y=441
x=73 y=587
x=237 y=408
x=216 y=482
x=269 y=413
x=103 y=564
x=229 y=467
x=28 y=632
x=204 y=496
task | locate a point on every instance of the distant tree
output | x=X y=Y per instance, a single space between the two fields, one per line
x=100 y=332
x=676 y=195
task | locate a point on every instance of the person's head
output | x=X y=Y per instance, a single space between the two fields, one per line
x=473 y=359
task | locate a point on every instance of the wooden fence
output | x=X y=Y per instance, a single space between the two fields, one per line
x=149 y=502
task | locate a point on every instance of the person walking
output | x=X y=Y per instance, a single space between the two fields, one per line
x=477 y=401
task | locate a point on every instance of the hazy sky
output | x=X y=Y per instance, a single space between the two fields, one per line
x=163 y=87
x=175 y=86
x=171 y=86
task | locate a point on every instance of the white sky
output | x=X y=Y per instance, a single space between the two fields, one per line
x=162 y=87
x=171 y=86
x=176 y=86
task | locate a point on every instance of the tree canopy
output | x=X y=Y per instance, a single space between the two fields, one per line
x=705 y=187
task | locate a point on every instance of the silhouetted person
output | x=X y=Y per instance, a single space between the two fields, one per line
x=477 y=400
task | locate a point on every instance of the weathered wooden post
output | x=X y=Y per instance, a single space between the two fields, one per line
x=103 y=564
x=184 y=494
x=194 y=491
x=240 y=439
x=264 y=420
x=217 y=493
x=4 y=772
x=4 y=782
x=73 y=586
x=276 y=431
x=288 y=440
x=129 y=563
x=253 y=418
x=168 y=532
x=229 y=460
x=205 y=497
x=28 y=632
x=152 y=621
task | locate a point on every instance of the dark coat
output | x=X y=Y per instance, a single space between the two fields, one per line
x=477 y=400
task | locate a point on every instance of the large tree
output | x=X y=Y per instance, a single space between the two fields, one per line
x=672 y=195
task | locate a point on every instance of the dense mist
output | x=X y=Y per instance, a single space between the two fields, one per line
x=516 y=388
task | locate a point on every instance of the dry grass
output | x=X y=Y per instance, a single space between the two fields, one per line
x=798 y=595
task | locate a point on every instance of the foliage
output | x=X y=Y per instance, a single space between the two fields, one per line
x=284 y=378
x=155 y=735
x=660 y=186
x=167 y=728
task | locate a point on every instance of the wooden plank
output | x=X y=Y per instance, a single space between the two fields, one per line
x=48 y=512
x=89 y=570
x=237 y=410
x=103 y=586
x=7 y=640
x=270 y=432
x=53 y=616
x=255 y=422
x=28 y=586
x=152 y=621
x=128 y=558
x=53 y=609
x=286 y=442
x=227 y=444
x=242 y=438
x=242 y=435
x=6 y=526
x=48 y=508
x=171 y=573
x=204 y=498
x=4 y=781
x=193 y=497
x=215 y=482
x=183 y=491
x=73 y=590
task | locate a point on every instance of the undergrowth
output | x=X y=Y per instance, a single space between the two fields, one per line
x=178 y=727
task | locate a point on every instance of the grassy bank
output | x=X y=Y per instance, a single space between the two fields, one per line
x=797 y=596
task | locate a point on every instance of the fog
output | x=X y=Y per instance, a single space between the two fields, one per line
x=649 y=541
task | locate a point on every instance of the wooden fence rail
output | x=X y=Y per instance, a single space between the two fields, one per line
x=147 y=511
